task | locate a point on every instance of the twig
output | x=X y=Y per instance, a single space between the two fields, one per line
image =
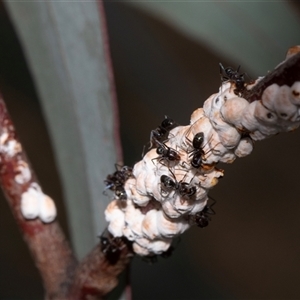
x=96 y=276
x=63 y=278
x=47 y=243
x=285 y=74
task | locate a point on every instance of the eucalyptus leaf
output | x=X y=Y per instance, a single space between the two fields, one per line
x=64 y=47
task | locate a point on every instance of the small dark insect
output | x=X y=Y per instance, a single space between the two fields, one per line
x=160 y=134
x=229 y=74
x=151 y=259
x=115 y=181
x=184 y=189
x=166 y=153
x=202 y=217
x=118 y=178
x=112 y=246
x=120 y=192
x=168 y=253
x=197 y=153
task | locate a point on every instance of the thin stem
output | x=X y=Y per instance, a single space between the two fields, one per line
x=97 y=275
x=47 y=243
x=63 y=278
x=285 y=74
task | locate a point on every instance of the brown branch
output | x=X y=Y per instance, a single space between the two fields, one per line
x=97 y=274
x=47 y=243
x=285 y=74
x=63 y=278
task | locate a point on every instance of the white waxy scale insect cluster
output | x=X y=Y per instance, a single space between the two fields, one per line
x=34 y=203
x=156 y=209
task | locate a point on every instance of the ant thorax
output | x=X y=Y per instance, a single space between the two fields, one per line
x=162 y=132
x=181 y=185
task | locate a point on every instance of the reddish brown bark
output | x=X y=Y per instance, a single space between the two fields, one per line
x=63 y=278
x=96 y=275
x=47 y=243
x=285 y=74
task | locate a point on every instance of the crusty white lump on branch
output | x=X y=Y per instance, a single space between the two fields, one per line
x=167 y=191
x=34 y=203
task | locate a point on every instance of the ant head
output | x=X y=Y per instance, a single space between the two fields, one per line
x=229 y=71
x=104 y=241
x=202 y=221
x=239 y=80
x=120 y=192
x=188 y=190
x=126 y=169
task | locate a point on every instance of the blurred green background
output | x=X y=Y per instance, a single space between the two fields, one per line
x=165 y=59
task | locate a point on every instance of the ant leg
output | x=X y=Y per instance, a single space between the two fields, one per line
x=143 y=152
x=185 y=165
x=222 y=70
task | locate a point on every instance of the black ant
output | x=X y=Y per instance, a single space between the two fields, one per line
x=111 y=246
x=115 y=181
x=118 y=178
x=151 y=259
x=166 y=153
x=120 y=193
x=183 y=188
x=229 y=74
x=202 y=217
x=161 y=133
x=197 y=153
